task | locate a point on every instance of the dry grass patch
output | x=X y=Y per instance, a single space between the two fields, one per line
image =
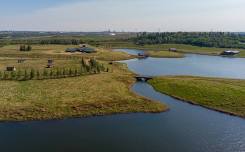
x=101 y=94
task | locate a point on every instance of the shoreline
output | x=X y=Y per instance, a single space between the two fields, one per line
x=181 y=99
x=129 y=103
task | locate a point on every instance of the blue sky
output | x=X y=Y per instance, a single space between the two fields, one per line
x=127 y=15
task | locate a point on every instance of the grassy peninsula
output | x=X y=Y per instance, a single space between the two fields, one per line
x=63 y=92
x=225 y=95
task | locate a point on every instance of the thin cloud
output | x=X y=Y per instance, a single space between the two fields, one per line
x=141 y=15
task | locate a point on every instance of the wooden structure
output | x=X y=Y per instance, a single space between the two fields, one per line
x=82 y=45
x=10 y=68
x=72 y=50
x=172 y=49
x=143 y=78
x=50 y=63
x=143 y=55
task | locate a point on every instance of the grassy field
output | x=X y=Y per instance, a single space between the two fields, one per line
x=165 y=54
x=100 y=94
x=38 y=64
x=225 y=95
x=81 y=96
x=58 y=51
x=182 y=48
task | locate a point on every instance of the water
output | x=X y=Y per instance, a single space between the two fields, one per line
x=184 y=128
x=196 y=65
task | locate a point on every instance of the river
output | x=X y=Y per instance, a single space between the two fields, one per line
x=184 y=128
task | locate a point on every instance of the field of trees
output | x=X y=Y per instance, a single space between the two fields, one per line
x=202 y=39
x=36 y=69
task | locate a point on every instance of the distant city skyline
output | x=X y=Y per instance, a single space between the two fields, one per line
x=123 y=15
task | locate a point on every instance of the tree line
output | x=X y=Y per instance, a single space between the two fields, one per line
x=90 y=67
x=202 y=39
x=25 y=48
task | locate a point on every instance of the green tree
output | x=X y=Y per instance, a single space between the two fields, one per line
x=26 y=75
x=28 y=48
x=13 y=75
x=1 y=75
x=5 y=75
x=18 y=75
x=58 y=73
x=64 y=72
x=51 y=73
x=32 y=74
x=70 y=72
x=45 y=74
x=38 y=74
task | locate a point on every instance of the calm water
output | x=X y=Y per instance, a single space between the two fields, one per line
x=184 y=128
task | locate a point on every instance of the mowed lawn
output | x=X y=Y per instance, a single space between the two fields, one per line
x=100 y=94
x=226 y=95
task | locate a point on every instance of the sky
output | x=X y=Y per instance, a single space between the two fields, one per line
x=123 y=15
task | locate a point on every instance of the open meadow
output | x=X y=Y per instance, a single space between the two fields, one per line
x=225 y=95
x=72 y=87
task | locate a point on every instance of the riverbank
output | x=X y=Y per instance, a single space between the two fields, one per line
x=181 y=48
x=224 y=95
x=93 y=95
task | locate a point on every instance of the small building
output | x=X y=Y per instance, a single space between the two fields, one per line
x=230 y=52
x=10 y=68
x=82 y=48
x=172 y=49
x=72 y=50
x=143 y=55
x=87 y=50
x=113 y=34
x=82 y=45
x=50 y=63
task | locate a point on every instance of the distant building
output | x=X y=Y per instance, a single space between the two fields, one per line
x=50 y=63
x=87 y=50
x=172 y=49
x=72 y=50
x=143 y=55
x=113 y=34
x=82 y=45
x=10 y=68
x=82 y=48
x=230 y=52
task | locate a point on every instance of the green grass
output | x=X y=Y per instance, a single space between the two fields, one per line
x=165 y=54
x=58 y=51
x=225 y=95
x=100 y=94
x=182 y=48
x=90 y=95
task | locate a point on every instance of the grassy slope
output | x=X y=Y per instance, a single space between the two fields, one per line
x=224 y=95
x=100 y=94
